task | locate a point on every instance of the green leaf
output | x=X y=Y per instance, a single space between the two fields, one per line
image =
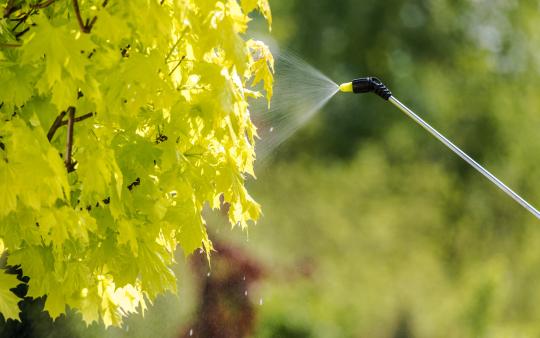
x=8 y=300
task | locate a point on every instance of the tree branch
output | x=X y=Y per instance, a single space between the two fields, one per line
x=10 y=8
x=59 y=122
x=21 y=20
x=43 y=4
x=70 y=166
x=78 y=119
x=56 y=124
x=91 y=24
x=85 y=28
x=78 y=15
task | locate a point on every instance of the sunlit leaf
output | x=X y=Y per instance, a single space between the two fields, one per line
x=159 y=104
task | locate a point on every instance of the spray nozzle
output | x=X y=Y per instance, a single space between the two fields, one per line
x=366 y=85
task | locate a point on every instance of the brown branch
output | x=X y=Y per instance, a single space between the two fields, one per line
x=91 y=24
x=56 y=124
x=70 y=166
x=43 y=4
x=78 y=14
x=59 y=122
x=78 y=119
x=83 y=117
x=85 y=28
x=10 y=8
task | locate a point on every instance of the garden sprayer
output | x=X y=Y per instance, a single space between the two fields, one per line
x=374 y=85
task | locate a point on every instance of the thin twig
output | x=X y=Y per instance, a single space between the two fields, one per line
x=78 y=15
x=59 y=122
x=85 y=28
x=43 y=4
x=10 y=8
x=78 y=119
x=177 y=65
x=21 y=33
x=70 y=166
x=176 y=60
x=56 y=124
x=91 y=24
x=174 y=47
x=21 y=20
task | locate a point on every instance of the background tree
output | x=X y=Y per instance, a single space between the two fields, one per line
x=395 y=227
x=118 y=122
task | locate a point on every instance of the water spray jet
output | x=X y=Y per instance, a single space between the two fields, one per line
x=374 y=85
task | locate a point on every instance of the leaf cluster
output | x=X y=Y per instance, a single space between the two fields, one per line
x=119 y=121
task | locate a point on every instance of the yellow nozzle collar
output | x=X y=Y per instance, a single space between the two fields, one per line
x=346 y=87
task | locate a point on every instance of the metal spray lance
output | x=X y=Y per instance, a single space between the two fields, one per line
x=374 y=85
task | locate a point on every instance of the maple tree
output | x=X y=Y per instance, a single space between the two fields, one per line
x=119 y=121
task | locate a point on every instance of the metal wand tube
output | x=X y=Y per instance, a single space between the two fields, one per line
x=464 y=156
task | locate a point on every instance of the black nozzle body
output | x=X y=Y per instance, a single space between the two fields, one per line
x=371 y=84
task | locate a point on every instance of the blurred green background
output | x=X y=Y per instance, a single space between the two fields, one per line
x=402 y=238
x=371 y=227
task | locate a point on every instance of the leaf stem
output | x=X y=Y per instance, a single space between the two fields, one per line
x=177 y=65
x=70 y=166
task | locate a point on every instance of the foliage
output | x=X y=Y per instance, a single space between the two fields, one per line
x=119 y=121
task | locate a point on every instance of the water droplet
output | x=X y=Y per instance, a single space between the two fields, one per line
x=293 y=108
x=190 y=332
x=244 y=278
x=245 y=293
x=208 y=274
x=260 y=301
x=201 y=251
